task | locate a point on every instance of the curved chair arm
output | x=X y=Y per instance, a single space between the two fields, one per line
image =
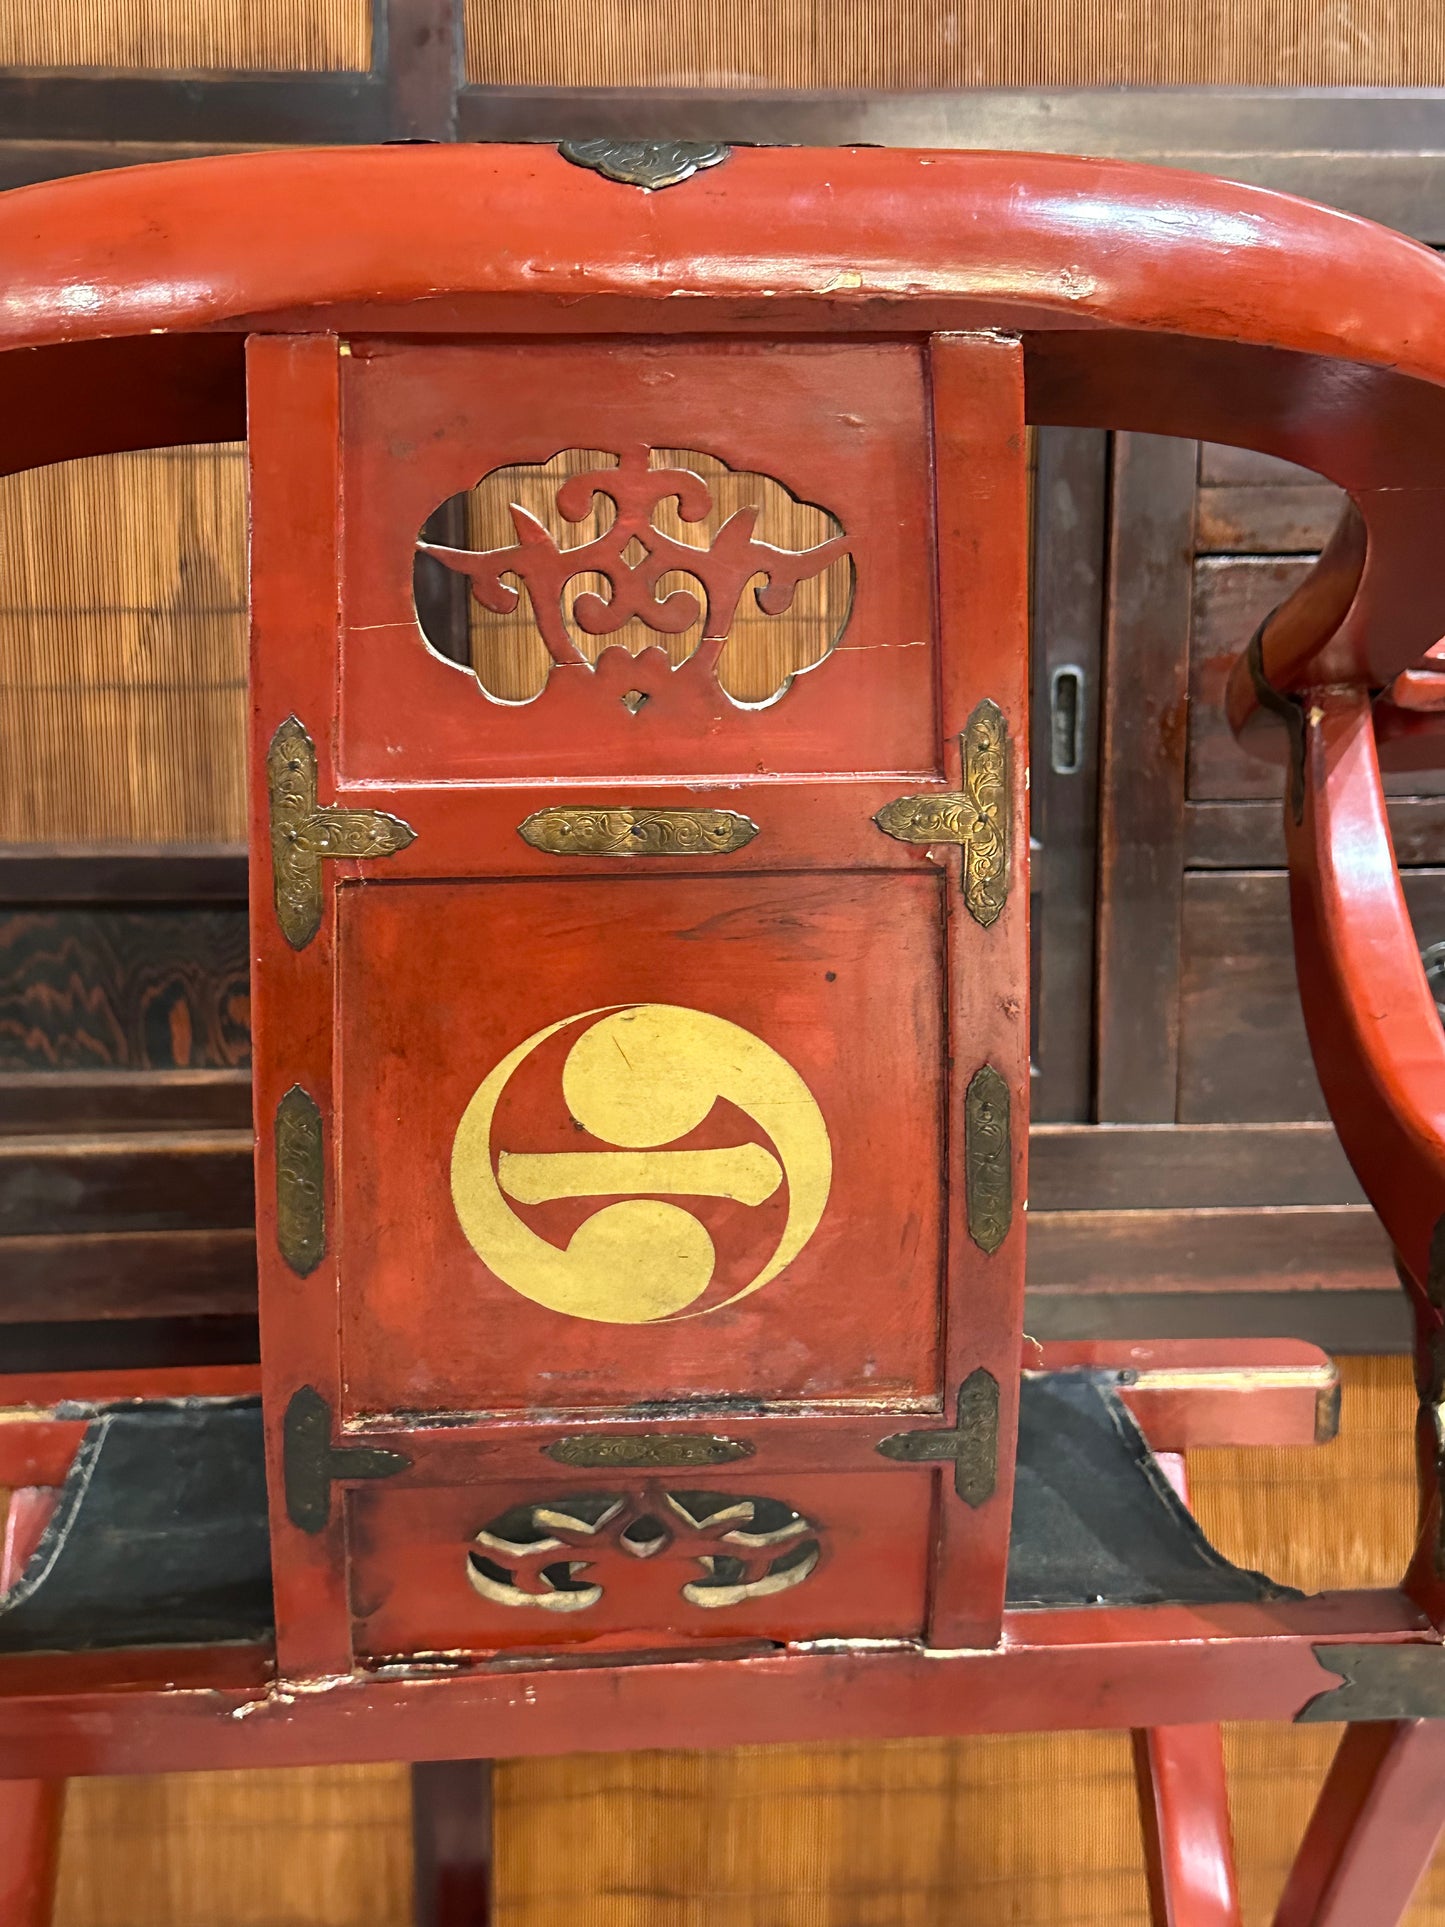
x=1297 y=630
x=1374 y=1030
x=1378 y=1046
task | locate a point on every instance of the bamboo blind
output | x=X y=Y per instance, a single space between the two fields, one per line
x=216 y=35
x=508 y=653
x=1032 y=1831
x=955 y=43
x=123 y=650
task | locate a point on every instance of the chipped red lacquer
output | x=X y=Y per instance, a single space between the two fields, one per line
x=496 y=306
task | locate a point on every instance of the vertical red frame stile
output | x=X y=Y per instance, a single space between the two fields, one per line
x=981 y=493
x=293 y=407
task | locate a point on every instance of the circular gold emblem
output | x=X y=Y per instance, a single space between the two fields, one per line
x=639 y=1077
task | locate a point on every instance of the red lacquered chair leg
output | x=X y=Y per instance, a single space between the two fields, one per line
x=1373 y=1829
x=1184 y=1812
x=29 y=1850
x=1184 y=1808
x=29 y=1809
x=451 y=1823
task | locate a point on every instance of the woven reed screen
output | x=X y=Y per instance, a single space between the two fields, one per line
x=271 y=35
x=955 y=43
x=1034 y=1831
x=123 y=632
x=123 y=650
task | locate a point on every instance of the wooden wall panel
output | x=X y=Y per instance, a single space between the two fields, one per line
x=326 y=1848
x=905 y=1835
x=969 y=43
x=1243 y=1053
x=278 y=35
x=123 y=650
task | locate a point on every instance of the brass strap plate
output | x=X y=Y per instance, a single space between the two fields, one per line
x=595 y=829
x=1395 y=1680
x=646 y=1448
x=300 y=1182
x=971 y=1442
x=975 y=817
x=304 y=833
x=311 y=1464
x=987 y=1159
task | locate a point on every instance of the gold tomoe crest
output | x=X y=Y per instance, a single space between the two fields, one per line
x=640 y=1077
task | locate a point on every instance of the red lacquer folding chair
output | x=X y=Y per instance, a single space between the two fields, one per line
x=641 y=1027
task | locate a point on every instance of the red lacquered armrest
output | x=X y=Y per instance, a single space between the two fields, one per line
x=1188 y=1392
x=1373 y=1026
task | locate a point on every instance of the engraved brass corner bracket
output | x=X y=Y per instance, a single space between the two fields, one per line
x=650 y=164
x=1394 y=1680
x=304 y=833
x=975 y=817
x=971 y=1442
x=311 y=1464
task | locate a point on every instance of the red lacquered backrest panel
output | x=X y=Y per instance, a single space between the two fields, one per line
x=647 y=1045
x=841 y=428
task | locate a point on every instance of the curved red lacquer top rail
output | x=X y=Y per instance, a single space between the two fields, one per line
x=1148 y=299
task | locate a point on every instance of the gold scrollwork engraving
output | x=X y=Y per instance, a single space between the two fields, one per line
x=646 y=1448
x=988 y=1164
x=594 y=830
x=304 y=832
x=300 y=1182
x=975 y=817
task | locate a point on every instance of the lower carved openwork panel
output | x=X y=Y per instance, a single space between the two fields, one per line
x=666 y=1562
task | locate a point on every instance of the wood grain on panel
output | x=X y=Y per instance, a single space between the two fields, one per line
x=80 y=1278
x=324 y=1848
x=152 y=989
x=1232 y=596
x=976 y=43
x=276 y=35
x=107 y=1100
x=123 y=649
x=133 y=1181
x=1306 y=1248
x=1293 y=518
x=1250 y=835
x=1242 y=1047
x=1221 y=466
x=1141 y=794
x=1172 y=1167
x=1071 y=499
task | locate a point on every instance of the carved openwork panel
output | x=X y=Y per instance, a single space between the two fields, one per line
x=636 y=560
x=719 y=1548
x=661 y=1558
x=648 y=549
